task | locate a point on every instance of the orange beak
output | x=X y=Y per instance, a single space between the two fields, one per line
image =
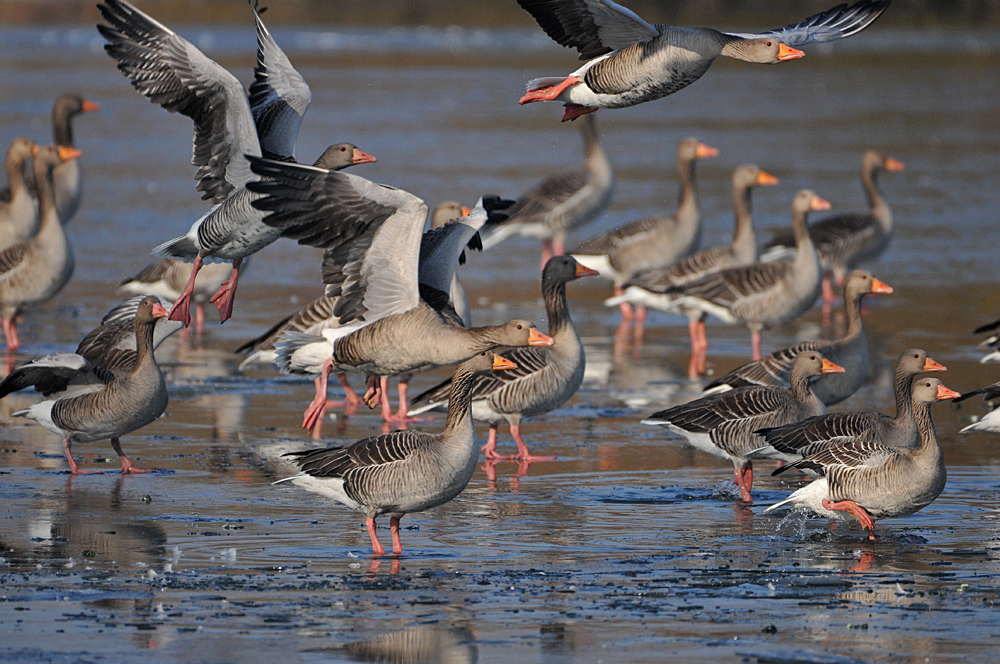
x=830 y=367
x=786 y=52
x=764 y=178
x=359 y=157
x=880 y=287
x=90 y=106
x=159 y=311
x=466 y=211
x=501 y=363
x=819 y=204
x=705 y=151
x=536 y=338
x=35 y=149
x=894 y=165
x=584 y=271
x=944 y=393
x=931 y=365
x=69 y=153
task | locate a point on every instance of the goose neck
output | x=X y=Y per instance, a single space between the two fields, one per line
x=852 y=306
x=925 y=428
x=902 y=390
x=459 y=420
x=143 y=343
x=876 y=202
x=743 y=216
x=62 y=127
x=556 y=308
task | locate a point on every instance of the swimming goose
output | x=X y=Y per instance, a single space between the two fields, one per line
x=545 y=379
x=562 y=201
x=763 y=295
x=390 y=280
x=651 y=242
x=873 y=480
x=990 y=421
x=35 y=270
x=850 y=351
x=86 y=402
x=18 y=214
x=650 y=288
x=723 y=424
x=846 y=240
x=404 y=471
x=801 y=439
x=630 y=61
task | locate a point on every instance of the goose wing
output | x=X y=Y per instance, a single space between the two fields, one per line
x=111 y=345
x=849 y=455
x=366 y=454
x=709 y=413
x=530 y=362
x=990 y=393
x=815 y=433
x=773 y=369
x=592 y=27
x=170 y=71
x=730 y=286
x=55 y=374
x=834 y=23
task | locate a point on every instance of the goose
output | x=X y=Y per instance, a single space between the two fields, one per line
x=794 y=441
x=649 y=288
x=389 y=278
x=18 y=215
x=846 y=240
x=36 y=269
x=873 y=480
x=630 y=61
x=403 y=472
x=86 y=402
x=990 y=421
x=722 y=424
x=763 y=294
x=652 y=242
x=561 y=201
x=545 y=379
x=850 y=351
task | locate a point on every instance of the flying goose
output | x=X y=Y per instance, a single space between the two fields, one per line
x=86 y=402
x=18 y=212
x=874 y=480
x=545 y=378
x=630 y=61
x=655 y=241
x=723 y=424
x=404 y=471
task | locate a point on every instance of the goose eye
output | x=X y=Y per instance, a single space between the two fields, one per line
x=343 y=149
x=770 y=43
x=483 y=353
x=520 y=327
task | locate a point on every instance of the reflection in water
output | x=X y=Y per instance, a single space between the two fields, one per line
x=423 y=644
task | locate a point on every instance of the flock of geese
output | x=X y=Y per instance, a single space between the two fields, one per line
x=392 y=305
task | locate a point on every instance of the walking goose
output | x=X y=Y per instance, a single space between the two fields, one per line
x=763 y=295
x=18 y=214
x=562 y=201
x=723 y=424
x=850 y=351
x=545 y=379
x=801 y=439
x=651 y=242
x=86 y=402
x=630 y=61
x=650 y=288
x=990 y=421
x=404 y=471
x=36 y=269
x=846 y=240
x=389 y=279
x=873 y=480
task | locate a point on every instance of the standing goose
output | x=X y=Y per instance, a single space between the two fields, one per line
x=545 y=378
x=389 y=279
x=630 y=61
x=652 y=242
x=18 y=214
x=562 y=201
x=36 y=269
x=801 y=439
x=763 y=295
x=873 y=480
x=850 y=351
x=86 y=402
x=990 y=421
x=723 y=424
x=846 y=240
x=651 y=287
x=404 y=471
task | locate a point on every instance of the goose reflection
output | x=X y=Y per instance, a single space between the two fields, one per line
x=422 y=644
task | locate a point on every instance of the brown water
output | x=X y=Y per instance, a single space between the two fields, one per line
x=629 y=546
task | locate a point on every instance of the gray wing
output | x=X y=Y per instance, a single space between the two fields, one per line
x=812 y=435
x=530 y=362
x=111 y=345
x=279 y=96
x=835 y=23
x=371 y=233
x=773 y=369
x=850 y=455
x=990 y=393
x=592 y=27
x=55 y=374
x=169 y=71
x=441 y=247
x=734 y=284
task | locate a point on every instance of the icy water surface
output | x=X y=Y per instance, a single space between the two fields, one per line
x=629 y=547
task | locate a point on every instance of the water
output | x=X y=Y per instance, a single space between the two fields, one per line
x=629 y=547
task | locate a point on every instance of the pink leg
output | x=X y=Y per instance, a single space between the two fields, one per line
x=856 y=511
x=755 y=342
x=199 y=319
x=223 y=298
x=10 y=362
x=377 y=549
x=373 y=395
x=181 y=311
x=702 y=345
x=491 y=446
x=397 y=546
x=386 y=407
x=351 y=398
x=127 y=467
x=694 y=366
x=558 y=246
x=73 y=468
x=314 y=413
x=522 y=449
x=639 y=331
x=546 y=252
x=624 y=307
x=548 y=93
x=10 y=334
x=744 y=480
x=573 y=111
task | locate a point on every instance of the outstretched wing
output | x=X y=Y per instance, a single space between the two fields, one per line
x=592 y=27
x=835 y=23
